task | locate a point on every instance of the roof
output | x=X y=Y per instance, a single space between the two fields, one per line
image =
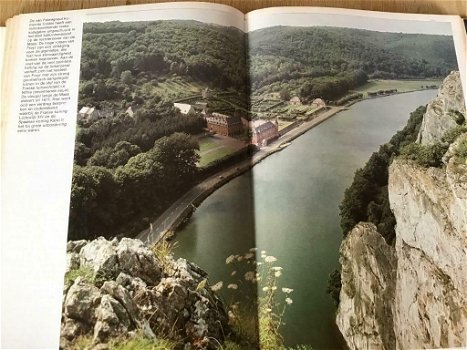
x=184 y=108
x=223 y=119
x=259 y=126
x=318 y=101
x=86 y=110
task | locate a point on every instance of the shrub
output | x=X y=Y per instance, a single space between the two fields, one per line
x=461 y=150
x=425 y=155
x=334 y=285
x=85 y=272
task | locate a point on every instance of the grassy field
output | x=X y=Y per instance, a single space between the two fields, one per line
x=283 y=124
x=176 y=88
x=400 y=85
x=216 y=147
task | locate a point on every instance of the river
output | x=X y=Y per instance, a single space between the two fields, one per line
x=292 y=211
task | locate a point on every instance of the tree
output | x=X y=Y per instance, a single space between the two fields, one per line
x=93 y=203
x=126 y=77
x=284 y=95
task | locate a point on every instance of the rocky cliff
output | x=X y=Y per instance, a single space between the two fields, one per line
x=414 y=295
x=117 y=289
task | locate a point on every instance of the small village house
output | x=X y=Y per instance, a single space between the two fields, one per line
x=295 y=101
x=224 y=124
x=88 y=114
x=318 y=102
x=263 y=131
x=184 y=108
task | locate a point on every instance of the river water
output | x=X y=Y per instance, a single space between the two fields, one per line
x=292 y=211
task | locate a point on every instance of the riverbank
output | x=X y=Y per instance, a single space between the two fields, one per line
x=182 y=209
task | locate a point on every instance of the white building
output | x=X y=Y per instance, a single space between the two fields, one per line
x=184 y=108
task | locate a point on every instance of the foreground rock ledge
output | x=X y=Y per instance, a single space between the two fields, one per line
x=116 y=288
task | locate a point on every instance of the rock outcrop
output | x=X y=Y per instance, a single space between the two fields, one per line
x=116 y=288
x=368 y=274
x=440 y=114
x=414 y=295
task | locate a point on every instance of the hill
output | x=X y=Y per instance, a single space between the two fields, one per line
x=284 y=54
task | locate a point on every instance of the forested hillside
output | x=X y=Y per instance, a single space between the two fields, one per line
x=288 y=57
x=130 y=165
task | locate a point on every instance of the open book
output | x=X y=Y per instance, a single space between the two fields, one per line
x=184 y=176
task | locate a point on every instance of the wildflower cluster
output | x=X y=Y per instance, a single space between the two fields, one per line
x=272 y=302
x=269 y=307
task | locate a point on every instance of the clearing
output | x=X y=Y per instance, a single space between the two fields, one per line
x=400 y=85
x=214 y=147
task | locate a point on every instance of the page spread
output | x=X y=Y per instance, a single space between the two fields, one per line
x=183 y=176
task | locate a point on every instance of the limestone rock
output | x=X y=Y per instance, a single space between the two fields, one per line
x=426 y=295
x=136 y=260
x=81 y=300
x=431 y=294
x=439 y=116
x=368 y=284
x=101 y=257
x=131 y=291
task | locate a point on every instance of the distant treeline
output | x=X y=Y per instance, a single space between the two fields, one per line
x=203 y=52
x=290 y=56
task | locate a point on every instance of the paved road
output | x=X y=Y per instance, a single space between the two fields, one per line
x=169 y=218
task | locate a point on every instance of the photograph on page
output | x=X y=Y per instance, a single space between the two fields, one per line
x=365 y=212
x=162 y=122
x=295 y=182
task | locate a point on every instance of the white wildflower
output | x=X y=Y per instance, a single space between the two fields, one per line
x=276 y=268
x=217 y=287
x=268 y=310
x=253 y=250
x=287 y=290
x=229 y=259
x=265 y=289
x=233 y=273
x=273 y=288
x=277 y=274
x=232 y=286
x=288 y=301
x=249 y=276
x=249 y=255
x=270 y=259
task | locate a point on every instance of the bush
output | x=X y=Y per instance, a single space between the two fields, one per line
x=334 y=285
x=425 y=155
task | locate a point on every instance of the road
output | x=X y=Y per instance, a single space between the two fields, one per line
x=175 y=214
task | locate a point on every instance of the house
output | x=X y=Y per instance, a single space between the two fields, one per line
x=184 y=108
x=88 y=114
x=295 y=101
x=318 y=102
x=224 y=124
x=201 y=107
x=263 y=131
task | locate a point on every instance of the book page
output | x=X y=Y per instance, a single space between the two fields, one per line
x=363 y=207
x=91 y=90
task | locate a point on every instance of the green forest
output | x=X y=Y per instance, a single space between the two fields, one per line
x=326 y=62
x=129 y=168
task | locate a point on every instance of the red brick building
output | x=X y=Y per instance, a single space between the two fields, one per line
x=263 y=131
x=224 y=124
